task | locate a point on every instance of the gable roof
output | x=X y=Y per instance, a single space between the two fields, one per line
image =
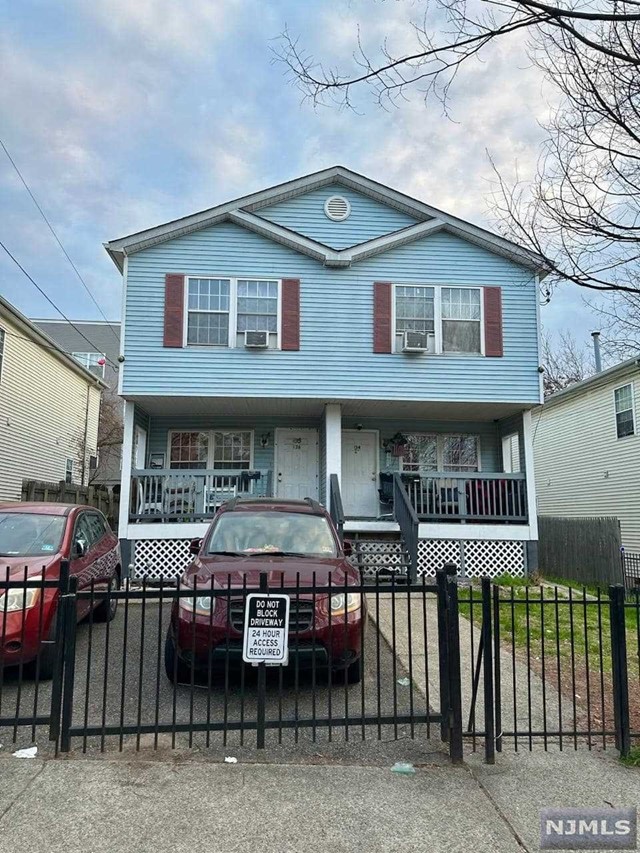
x=613 y=374
x=243 y=211
x=29 y=330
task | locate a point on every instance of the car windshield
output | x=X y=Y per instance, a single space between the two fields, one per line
x=272 y=532
x=24 y=534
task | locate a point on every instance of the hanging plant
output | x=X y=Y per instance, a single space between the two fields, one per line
x=396 y=444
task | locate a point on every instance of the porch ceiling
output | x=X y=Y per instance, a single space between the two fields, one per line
x=309 y=408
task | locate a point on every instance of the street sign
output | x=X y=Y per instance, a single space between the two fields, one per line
x=266 y=629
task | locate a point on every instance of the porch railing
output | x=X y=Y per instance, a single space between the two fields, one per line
x=447 y=496
x=407 y=519
x=191 y=495
x=335 y=505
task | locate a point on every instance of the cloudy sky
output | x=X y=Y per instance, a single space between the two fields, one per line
x=122 y=115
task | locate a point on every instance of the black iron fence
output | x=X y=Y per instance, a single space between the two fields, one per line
x=552 y=666
x=631 y=570
x=487 y=667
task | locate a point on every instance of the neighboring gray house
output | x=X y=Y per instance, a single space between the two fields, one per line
x=101 y=359
x=586 y=444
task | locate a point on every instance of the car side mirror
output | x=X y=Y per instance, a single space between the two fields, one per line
x=194 y=546
x=79 y=548
x=347 y=547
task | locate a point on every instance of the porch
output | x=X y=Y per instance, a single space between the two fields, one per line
x=423 y=478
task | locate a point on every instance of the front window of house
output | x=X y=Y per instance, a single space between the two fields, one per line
x=460 y=310
x=218 y=450
x=257 y=306
x=221 y=310
x=232 y=451
x=415 y=309
x=450 y=318
x=625 y=421
x=425 y=452
x=209 y=301
x=189 y=449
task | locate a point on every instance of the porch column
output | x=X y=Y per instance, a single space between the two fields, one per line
x=532 y=504
x=332 y=443
x=125 y=482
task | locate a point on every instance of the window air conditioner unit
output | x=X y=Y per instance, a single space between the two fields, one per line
x=256 y=340
x=418 y=342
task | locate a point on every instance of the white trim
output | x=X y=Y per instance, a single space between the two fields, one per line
x=181 y=530
x=633 y=410
x=539 y=337
x=437 y=316
x=332 y=444
x=529 y=470
x=125 y=481
x=233 y=309
x=123 y=309
x=496 y=532
x=209 y=432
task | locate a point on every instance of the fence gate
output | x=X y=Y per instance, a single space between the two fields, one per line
x=368 y=662
x=551 y=667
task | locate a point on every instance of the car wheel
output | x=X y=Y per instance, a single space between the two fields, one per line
x=354 y=672
x=108 y=607
x=177 y=672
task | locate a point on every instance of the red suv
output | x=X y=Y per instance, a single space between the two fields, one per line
x=35 y=537
x=289 y=540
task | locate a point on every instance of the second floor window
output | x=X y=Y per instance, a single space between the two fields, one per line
x=451 y=317
x=220 y=310
x=625 y=422
x=209 y=301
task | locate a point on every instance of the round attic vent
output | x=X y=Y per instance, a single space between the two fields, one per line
x=337 y=208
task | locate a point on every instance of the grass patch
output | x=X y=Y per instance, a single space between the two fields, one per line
x=633 y=759
x=536 y=620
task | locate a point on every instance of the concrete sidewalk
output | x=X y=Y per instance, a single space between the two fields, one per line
x=193 y=804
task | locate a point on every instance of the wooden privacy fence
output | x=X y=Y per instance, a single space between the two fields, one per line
x=586 y=550
x=99 y=496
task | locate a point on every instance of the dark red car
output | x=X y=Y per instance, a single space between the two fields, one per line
x=35 y=537
x=287 y=540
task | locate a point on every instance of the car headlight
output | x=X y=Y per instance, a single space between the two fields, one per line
x=205 y=604
x=345 y=603
x=18 y=598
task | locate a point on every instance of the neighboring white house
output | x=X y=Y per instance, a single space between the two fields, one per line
x=49 y=408
x=586 y=443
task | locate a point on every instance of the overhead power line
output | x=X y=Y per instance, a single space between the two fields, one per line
x=56 y=238
x=53 y=304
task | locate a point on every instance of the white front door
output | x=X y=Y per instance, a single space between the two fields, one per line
x=359 y=482
x=297 y=463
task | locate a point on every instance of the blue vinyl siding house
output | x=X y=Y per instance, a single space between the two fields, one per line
x=331 y=326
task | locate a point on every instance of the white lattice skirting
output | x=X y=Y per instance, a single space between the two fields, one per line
x=158 y=559
x=474 y=558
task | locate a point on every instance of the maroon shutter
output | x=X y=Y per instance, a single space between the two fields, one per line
x=290 y=313
x=493 y=321
x=382 y=316
x=173 y=310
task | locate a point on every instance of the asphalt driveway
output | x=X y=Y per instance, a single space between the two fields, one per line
x=122 y=683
